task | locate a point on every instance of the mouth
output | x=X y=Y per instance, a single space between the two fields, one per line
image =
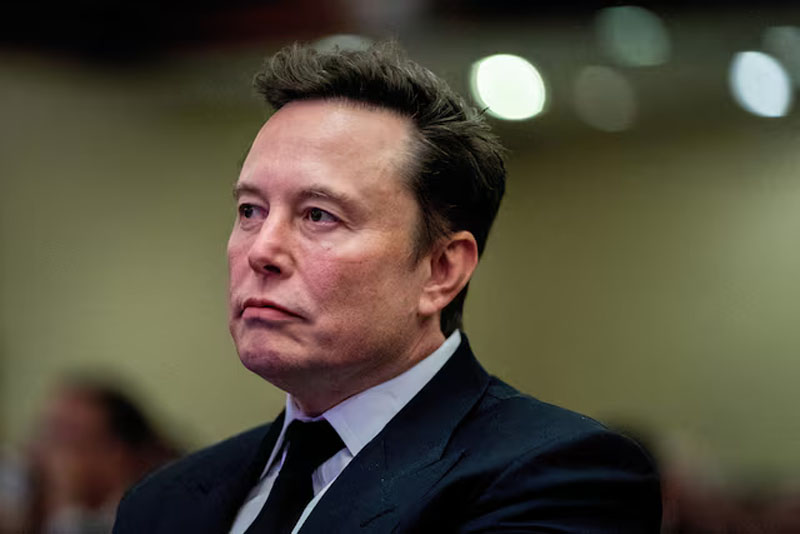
x=253 y=308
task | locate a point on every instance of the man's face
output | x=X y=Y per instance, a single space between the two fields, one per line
x=322 y=281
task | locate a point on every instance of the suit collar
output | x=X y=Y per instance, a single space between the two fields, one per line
x=361 y=417
x=408 y=455
x=400 y=463
x=218 y=490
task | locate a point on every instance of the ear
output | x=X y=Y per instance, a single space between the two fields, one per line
x=452 y=263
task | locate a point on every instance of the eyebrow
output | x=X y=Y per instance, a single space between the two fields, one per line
x=317 y=191
x=325 y=193
x=240 y=189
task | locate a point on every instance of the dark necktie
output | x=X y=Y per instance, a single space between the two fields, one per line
x=309 y=445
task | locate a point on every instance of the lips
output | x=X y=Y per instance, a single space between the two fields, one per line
x=266 y=309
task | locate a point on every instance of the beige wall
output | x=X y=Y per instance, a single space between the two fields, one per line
x=648 y=277
x=116 y=206
x=655 y=281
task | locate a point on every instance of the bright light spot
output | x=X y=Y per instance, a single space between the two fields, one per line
x=509 y=86
x=760 y=84
x=783 y=42
x=605 y=99
x=633 y=36
x=342 y=41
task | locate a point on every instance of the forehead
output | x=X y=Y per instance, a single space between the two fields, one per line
x=332 y=133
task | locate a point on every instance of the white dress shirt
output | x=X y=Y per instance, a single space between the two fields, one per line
x=357 y=420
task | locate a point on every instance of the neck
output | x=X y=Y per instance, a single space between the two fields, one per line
x=320 y=394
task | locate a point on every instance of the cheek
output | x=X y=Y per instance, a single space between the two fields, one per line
x=334 y=280
x=331 y=282
x=237 y=261
x=354 y=287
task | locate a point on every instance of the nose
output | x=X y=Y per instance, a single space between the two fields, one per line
x=270 y=251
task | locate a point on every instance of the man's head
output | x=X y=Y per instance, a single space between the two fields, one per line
x=454 y=167
x=363 y=205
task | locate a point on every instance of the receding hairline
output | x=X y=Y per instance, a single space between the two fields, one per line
x=346 y=101
x=407 y=163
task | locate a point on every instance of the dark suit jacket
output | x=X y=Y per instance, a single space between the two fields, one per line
x=468 y=453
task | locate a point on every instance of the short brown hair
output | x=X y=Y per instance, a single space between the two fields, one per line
x=458 y=177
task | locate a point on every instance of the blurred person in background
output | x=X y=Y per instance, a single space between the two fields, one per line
x=91 y=443
x=699 y=497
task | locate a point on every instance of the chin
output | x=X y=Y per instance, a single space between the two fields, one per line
x=276 y=366
x=262 y=361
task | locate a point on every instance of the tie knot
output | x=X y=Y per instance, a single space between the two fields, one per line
x=309 y=445
x=312 y=442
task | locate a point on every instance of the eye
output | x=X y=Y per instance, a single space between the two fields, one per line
x=250 y=211
x=250 y=215
x=247 y=210
x=318 y=215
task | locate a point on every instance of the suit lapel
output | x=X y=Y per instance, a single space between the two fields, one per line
x=407 y=457
x=216 y=494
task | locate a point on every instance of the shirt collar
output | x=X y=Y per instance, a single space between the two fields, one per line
x=358 y=419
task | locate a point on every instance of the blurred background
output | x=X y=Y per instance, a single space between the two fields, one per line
x=643 y=268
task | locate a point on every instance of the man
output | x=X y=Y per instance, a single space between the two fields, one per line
x=363 y=206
